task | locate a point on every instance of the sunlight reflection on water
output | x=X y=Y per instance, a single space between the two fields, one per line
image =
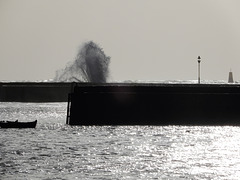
x=57 y=151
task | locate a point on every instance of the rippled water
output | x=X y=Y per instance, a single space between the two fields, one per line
x=57 y=151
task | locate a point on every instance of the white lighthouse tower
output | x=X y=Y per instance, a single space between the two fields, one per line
x=230 y=77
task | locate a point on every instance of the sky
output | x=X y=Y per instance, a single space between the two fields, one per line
x=146 y=39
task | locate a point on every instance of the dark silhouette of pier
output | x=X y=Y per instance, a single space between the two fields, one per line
x=34 y=91
x=154 y=104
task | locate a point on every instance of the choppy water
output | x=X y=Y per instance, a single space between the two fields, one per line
x=56 y=151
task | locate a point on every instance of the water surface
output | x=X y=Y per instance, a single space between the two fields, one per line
x=57 y=151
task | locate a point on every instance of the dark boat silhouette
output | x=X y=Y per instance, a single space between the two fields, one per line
x=16 y=124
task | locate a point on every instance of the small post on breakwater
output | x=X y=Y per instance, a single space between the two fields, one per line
x=199 y=61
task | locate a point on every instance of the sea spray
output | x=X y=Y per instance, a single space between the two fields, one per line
x=90 y=65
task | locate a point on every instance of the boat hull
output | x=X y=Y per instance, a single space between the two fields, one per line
x=16 y=124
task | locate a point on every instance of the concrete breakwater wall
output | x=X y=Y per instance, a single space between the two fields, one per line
x=154 y=104
x=34 y=92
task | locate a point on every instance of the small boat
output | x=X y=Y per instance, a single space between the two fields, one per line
x=16 y=124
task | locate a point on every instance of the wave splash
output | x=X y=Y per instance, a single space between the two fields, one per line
x=90 y=65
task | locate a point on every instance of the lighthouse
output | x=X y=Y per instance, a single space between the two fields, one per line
x=230 y=77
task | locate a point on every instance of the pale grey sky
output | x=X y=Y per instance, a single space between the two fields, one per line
x=146 y=39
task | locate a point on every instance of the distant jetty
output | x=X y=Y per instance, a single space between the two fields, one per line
x=154 y=104
x=34 y=91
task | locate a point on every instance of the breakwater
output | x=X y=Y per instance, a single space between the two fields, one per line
x=154 y=104
x=34 y=91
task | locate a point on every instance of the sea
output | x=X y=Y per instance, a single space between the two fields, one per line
x=54 y=150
